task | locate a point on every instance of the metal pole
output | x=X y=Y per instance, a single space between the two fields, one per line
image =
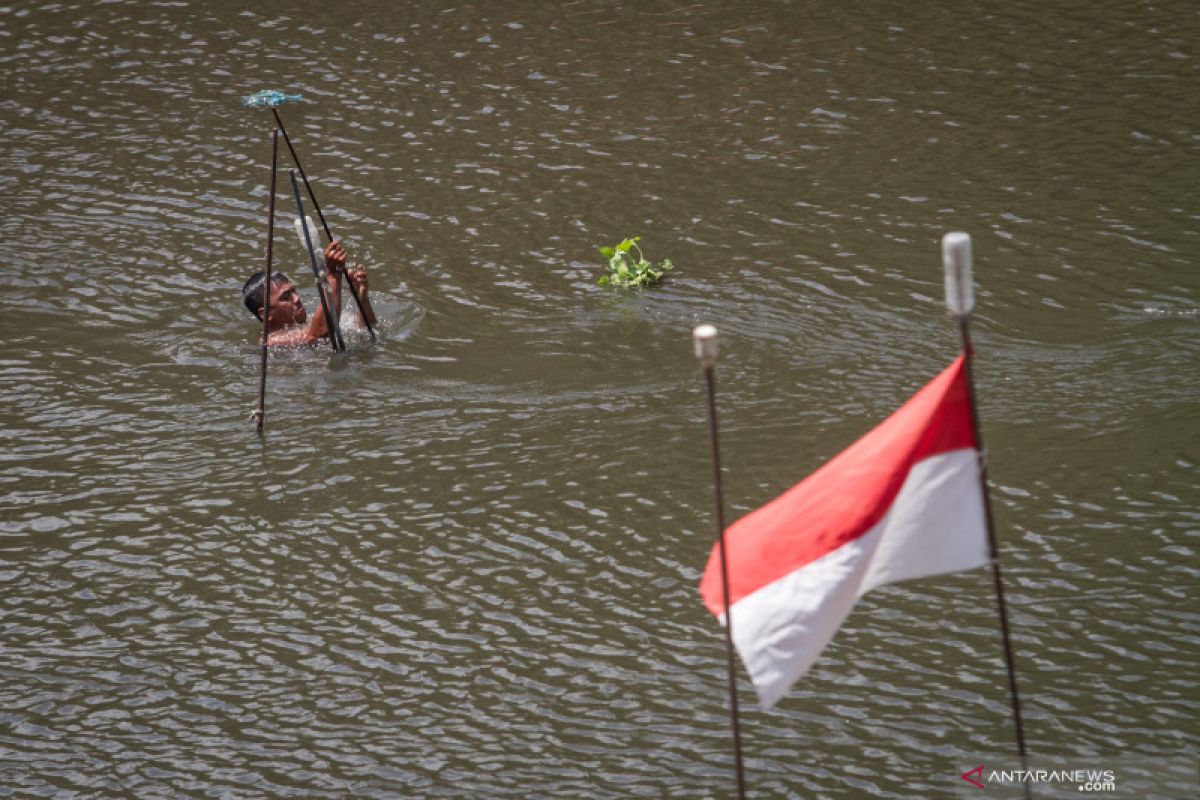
x=296 y=160
x=705 y=338
x=261 y=412
x=331 y=322
x=960 y=299
x=362 y=311
x=997 y=581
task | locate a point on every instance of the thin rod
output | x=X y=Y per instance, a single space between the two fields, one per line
x=261 y=413
x=296 y=160
x=1002 y=607
x=362 y=311
x=331 y=323
x=719 y=501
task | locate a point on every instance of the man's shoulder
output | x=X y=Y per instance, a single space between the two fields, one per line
x=297 y=336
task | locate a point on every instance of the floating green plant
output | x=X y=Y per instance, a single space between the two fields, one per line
x=625 y=269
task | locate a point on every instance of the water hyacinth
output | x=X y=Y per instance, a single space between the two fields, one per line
x=626 y=270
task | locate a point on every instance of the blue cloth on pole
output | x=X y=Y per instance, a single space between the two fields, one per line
x=269 y=98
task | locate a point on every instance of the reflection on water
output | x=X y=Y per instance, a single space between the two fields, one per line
x=465 y=563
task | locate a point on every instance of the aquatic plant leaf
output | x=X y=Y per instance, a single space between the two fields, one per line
x=630 y=269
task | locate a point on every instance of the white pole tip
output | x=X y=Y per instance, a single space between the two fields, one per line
x=956 y=258
x=705 y=338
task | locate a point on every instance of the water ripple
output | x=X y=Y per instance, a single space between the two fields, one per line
x=463 y=561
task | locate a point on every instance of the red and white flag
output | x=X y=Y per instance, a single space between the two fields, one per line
x=904 y=501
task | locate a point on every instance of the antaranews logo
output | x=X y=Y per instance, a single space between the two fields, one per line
x=1084 y=780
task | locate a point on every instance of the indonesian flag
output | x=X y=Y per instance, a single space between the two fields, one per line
x=904 y=501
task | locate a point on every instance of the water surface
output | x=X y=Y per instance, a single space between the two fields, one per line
x=464 y=562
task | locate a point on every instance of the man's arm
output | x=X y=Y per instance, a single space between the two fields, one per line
x=292 y=337
x=357 y=277
x=335 y=265
x=318 y=327
x=358 y=283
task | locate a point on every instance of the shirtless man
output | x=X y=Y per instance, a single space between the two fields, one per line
x=285 y=325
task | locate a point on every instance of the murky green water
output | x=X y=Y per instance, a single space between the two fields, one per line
x=465 y=562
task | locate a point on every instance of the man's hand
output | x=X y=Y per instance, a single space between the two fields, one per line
x=358 y=280
x=358 y=284
x=335 y=257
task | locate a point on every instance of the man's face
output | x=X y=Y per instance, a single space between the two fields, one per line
x=286 y=308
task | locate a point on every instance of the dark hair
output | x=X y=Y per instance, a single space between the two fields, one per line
x=252 y=290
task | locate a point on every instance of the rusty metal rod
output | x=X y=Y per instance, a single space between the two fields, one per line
x=260 y=413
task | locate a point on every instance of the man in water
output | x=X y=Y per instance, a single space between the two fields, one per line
x=285 y=325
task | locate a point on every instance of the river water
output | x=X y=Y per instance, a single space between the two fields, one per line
x=464 y=560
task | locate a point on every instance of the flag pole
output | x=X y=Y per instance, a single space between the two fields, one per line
x=705 y=339
x=960 y=300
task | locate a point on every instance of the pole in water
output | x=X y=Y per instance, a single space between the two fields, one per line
x=303 y=176
x=260 y=413
x=331 y=322
x=705 y=339
x=362 y=311
x=960 y=300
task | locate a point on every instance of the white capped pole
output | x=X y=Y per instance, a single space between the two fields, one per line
x=704 y=338
x=960 y=301
x=956 y=259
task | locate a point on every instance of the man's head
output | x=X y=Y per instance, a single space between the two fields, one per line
x=286 y=308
